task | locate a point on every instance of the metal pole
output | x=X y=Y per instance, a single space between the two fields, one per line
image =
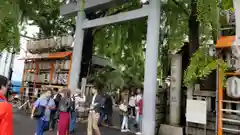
x=216 y=103
x=151 y=63
x=77 y=52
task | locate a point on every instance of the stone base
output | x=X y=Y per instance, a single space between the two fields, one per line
x=170 y=130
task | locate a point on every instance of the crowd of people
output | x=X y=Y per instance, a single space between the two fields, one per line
x=131 y=110
x=61 y=108
x=58 y=107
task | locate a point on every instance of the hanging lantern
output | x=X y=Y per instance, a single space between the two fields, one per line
x=233 y=84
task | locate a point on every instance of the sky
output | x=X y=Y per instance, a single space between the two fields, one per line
x=19 y=64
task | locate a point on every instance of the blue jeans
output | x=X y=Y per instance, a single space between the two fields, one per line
x=42 y=126
x=102 y=115
x=140 y=123
x=121 y=119
x=73 y=121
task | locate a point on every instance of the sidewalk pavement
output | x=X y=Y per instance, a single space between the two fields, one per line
x=23 y=125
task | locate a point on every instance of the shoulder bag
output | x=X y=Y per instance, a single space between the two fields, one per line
x=40 y=110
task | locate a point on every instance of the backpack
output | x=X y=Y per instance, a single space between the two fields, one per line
x=64 y=105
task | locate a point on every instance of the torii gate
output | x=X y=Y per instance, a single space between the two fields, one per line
x=152 y=11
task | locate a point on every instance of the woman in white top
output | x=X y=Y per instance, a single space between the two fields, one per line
x=132 y=104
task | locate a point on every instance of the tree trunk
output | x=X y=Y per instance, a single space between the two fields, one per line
x=193 y=27
x=86 y=53
x=193 y=36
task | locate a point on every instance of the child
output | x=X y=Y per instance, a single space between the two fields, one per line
x=124 y=110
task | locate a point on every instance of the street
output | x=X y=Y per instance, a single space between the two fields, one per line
x=23 y=125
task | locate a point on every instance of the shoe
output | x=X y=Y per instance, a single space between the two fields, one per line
x=138 y=133
x=123 y=130
x=127 y=130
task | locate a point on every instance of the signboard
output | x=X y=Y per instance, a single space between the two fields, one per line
x=196 y=111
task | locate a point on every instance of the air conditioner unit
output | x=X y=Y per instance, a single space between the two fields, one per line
x=233 y=84
x=232 y=61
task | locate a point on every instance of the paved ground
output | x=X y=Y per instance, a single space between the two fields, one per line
x=23 y=125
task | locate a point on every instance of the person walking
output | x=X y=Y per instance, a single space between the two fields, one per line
x=124 y=110
x=41 y=111
x=102 y=110
x=6 y=114
x=80 y=104
x=73 y=114
x=132 y=105
x=108 y=107
x=64 y=112
x=138 y=98
x=94 y=111
x=54 y=113
x=140 y=110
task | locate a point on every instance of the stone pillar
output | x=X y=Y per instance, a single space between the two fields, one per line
x=175 y=89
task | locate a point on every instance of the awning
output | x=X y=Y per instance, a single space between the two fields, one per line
x=57 y=55
x=225 y=41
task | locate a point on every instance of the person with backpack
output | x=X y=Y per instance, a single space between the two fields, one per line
x=41 y=111
x=64 y=113
x=6 y=114
x=54 y=113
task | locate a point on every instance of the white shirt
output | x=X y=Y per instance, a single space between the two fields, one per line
x=54 y=97
x=139 y=96
x=93 y=99
x=132 y=101
x=79 y=100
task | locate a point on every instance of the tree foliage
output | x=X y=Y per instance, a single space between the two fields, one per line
x=46 y=15
x=9 y=20
x=124 y=43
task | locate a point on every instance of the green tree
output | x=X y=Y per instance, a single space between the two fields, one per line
x=9 y=20
x=46 y=15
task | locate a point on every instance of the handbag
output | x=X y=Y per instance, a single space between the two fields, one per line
x=39 y=111
x=123 y=108
x=56 y=116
